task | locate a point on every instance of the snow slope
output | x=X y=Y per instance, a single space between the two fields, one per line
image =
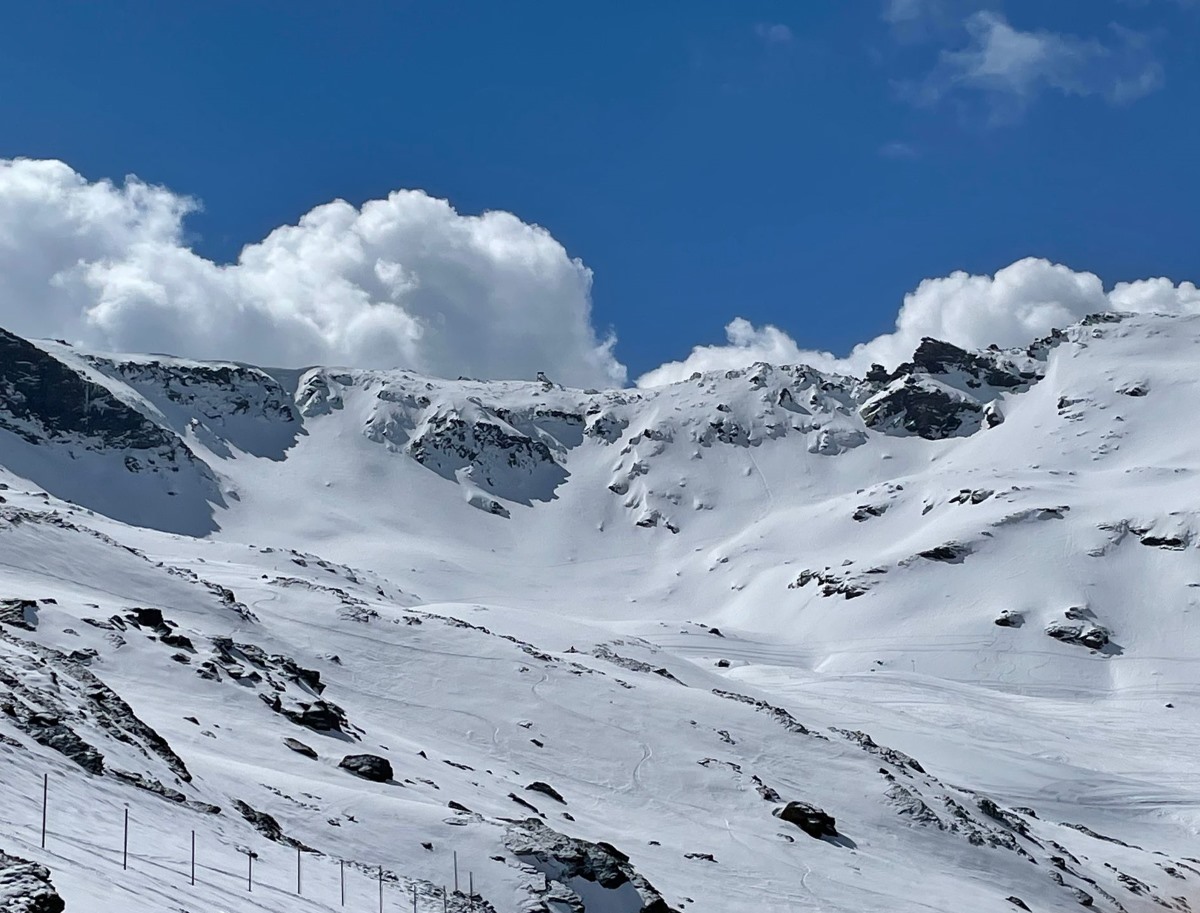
x=603 y=637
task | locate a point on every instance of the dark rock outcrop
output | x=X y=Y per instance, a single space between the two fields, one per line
x=45 y=399
x=538 y=786
x=321 y=716
x=812 y=820
x=19 y=613
x=267 y=826
x=944 y=390
x=830 y=584
x=300 y=748
x=950 y=553
x=921 y=408
x=25 y=887
x=368 y=766
x=64 y=696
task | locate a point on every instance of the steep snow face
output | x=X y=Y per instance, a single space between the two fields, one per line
x=229 y=408
x=67 y=430
x=763 y=640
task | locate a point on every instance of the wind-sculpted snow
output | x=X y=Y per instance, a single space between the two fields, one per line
x=766 y=639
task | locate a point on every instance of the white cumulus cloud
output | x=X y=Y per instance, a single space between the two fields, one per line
x=403 y=281
x=1015 y=306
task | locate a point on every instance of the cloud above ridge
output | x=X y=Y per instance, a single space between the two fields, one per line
x=1018 y=304
x=403 y=281
x=407 y=281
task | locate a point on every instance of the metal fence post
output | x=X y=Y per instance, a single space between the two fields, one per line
x=45 y=802
x=125 y=843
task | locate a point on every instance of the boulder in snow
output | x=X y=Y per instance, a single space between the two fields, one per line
x=368 y=766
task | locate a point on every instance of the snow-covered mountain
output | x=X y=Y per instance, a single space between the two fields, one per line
x=764 y=640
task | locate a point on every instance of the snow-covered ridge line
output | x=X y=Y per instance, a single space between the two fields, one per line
x=506 y=444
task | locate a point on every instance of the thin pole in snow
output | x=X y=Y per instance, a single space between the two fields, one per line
x=381 y=889
x=298 y=891
x=45 y=803
x=471 y=883
x=193 y=857
x=125 y=843
x=414 y=899
x=342 y=878
x=444 y=901
x=456 y=871
x=249 y=870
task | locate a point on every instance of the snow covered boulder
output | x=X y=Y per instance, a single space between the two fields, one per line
x=812 y=820
x=25 y=887
x=368 y=766
x=1094 y=637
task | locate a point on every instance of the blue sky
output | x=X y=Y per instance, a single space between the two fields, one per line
x=802 y=164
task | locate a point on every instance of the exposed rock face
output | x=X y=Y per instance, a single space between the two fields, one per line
x=51 y=708
x=538 y=786
x=25 y=887
x=950 y=553
x=496 y=456
x=285 y=686
x=781 y=716
x=219 y=403
x=49 y=403
x=945 y=390
x=565 y=861
x=813 y=821
x=830 y=583
x=19 y=613
x=990 y=368
x=892 y=756
x=368 y=766
x=45 y=399
x=321 y=392
x=321 y=716
x=921 y=406
x=267 y=826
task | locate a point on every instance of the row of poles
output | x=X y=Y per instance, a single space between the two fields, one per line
x=250 y=857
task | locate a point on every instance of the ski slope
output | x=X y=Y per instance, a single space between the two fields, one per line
x=950 y=606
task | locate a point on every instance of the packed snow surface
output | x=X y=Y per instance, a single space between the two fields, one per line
x=765 y=640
